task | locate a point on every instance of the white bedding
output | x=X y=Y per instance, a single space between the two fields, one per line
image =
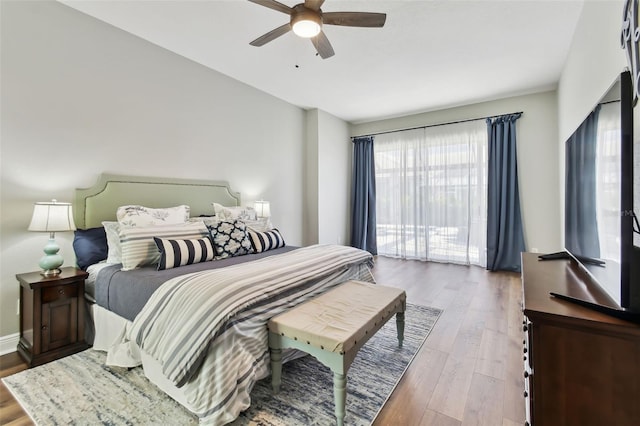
x=215 y=384
x=90 y=281
x=109 y=328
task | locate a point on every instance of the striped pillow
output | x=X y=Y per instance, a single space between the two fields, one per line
x=139 y=248
x=174 y=253
x=263 y=241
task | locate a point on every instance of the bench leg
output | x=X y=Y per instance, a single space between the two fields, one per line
x=339 y=396
x=276 y=362
x=400 y=327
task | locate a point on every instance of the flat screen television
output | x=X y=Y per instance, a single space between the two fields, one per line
x=599 y=218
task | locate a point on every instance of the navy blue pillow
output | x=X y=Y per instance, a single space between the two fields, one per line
x=90 y=246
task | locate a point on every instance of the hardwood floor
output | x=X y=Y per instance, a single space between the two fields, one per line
x=10 y=411
x=468 y=372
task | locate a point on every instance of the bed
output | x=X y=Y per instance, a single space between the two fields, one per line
x=197 y=328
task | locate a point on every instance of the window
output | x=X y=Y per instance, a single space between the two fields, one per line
x=431 y=187
x=608 y=181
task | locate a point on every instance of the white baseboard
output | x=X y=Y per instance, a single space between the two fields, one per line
x=9 y=343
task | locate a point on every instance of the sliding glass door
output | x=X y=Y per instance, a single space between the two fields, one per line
x=431 y=188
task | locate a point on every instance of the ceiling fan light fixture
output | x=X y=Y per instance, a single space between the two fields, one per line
x=307 y=19
x=305 y=23
x=306 y=28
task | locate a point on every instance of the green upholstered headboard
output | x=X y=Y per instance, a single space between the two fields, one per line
x=99 y=203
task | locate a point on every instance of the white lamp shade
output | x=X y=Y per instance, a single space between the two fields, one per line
x=262 y=208
x=52 y=216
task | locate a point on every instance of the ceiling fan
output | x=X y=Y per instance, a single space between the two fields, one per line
x=306 y=20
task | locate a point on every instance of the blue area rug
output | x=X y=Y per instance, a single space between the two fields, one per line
x=80 y=389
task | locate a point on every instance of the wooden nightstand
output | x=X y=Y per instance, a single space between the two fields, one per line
x=51 y=315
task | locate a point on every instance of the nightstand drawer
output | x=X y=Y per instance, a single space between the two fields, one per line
x=59 y=292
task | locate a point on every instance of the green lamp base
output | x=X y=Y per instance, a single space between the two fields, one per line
x=51 y=261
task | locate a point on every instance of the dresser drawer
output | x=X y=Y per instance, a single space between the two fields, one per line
x=528 y=371
x=59 y=292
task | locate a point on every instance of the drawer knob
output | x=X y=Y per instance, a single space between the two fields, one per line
x=61 y=291
x=44 y=328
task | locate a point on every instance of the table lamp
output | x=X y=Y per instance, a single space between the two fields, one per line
x=262 y=208
x=52 y=217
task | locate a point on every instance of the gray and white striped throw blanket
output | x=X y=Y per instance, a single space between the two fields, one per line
x=208 y=329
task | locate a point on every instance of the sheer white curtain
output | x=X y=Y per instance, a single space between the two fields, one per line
x=608 y=180
x=431 y=188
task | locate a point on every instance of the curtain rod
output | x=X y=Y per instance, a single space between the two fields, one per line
x=609 y=102
x=433 y=125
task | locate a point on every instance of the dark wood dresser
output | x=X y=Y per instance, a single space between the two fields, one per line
x=581 y=367
x=51 y=315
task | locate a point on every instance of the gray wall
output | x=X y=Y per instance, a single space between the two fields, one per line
x=334 y=180
x=327 y=179
x=595 y=60
x=80 y=98
x=537 y=156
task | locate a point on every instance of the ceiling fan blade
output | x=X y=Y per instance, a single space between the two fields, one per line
x=313 y=4
x=271 y=35
x=322 y=45
x=354 y=19
x=273 y=4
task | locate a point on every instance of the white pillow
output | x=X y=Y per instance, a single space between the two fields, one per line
x=145 y=216
x=235 y=212
x=139 y=247
x=262 y=224
x=207 y=220
x=114 y=253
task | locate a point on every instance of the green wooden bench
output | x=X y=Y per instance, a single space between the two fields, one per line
x=333 y=327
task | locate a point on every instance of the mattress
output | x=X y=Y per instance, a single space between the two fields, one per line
x=218 y=316
x=126 y=292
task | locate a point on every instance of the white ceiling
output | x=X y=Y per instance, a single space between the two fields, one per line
x=429 y=55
